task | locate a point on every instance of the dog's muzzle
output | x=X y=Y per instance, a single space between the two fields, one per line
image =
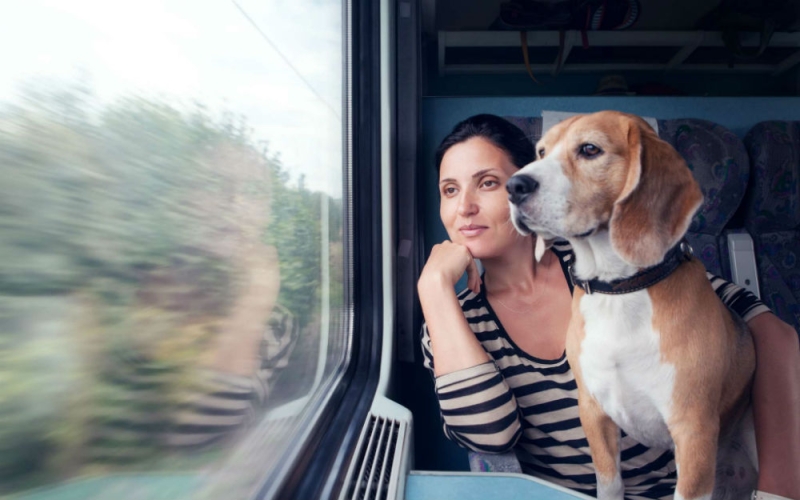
x=520 y=187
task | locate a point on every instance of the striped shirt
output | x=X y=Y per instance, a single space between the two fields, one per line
x=520 y=402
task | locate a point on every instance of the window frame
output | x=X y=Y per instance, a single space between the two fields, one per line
x=322 y=459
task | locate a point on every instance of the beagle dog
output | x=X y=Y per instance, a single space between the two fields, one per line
x=653 y=349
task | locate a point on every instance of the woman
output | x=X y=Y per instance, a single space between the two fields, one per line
x=497 y=349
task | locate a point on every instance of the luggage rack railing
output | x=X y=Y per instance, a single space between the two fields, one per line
x=684 y=42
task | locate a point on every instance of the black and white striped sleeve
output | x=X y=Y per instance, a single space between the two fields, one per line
x=738 y=299
x=478 y=409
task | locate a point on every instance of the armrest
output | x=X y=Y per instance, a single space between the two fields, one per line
x=742 y=255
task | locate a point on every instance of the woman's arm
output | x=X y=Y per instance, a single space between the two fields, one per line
x=776 y=405
x=453 y=344
x=775 y=393
x=478 y=410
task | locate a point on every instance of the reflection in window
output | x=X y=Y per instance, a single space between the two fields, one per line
x=171 y=243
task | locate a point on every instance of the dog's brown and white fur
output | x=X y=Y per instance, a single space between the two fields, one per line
x=668 y=364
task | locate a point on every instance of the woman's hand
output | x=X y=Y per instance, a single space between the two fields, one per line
x=445 y=266
x=453 y=344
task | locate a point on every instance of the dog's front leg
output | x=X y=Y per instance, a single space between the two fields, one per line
x=603 y=436
x=695 y=456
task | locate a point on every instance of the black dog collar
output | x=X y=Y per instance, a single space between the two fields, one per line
x=677 y=255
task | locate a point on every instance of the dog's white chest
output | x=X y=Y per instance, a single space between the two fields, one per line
x=621 y=365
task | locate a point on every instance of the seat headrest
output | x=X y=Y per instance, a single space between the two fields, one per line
x=773 y=199
x=718 y=160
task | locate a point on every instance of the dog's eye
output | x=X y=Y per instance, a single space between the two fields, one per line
x=589 y=150
x=541 y=153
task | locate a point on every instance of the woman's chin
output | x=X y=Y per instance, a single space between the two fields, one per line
x=480 y=250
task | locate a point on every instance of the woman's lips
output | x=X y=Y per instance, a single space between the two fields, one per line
x=472 y=230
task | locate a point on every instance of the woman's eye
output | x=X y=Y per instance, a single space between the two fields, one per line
x=449 y=190
x=541 y=153
x=590 y=150
x=489 y=183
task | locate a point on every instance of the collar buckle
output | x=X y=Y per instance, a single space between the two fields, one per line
x=578 y=282
x=686 y=250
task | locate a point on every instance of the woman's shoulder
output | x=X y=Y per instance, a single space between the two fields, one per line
x=469 y=299
x=563 y=250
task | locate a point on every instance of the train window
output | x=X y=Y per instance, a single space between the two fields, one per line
x=172 y=251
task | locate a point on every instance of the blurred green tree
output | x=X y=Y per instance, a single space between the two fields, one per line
x=124 y=235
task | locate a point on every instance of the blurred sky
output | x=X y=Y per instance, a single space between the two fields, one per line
x=183 y=51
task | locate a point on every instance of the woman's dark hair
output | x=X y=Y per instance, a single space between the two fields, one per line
x=502 y=133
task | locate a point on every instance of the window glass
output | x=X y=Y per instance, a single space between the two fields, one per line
x=172 y=287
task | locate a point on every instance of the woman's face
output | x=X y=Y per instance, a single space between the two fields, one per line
x=474 y=203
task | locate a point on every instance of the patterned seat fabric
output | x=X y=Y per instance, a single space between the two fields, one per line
x=532 y=126
x=772 y=214
x=719 y=163
x=718 y=160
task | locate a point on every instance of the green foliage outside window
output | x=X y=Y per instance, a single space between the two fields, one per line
x=126 y=235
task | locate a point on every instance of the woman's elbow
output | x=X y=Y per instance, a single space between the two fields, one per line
x=509 y=438
x=499 y=441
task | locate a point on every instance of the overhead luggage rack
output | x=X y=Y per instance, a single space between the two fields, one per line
x=498 y=52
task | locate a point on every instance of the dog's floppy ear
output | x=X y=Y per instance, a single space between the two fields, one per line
x=658 y=200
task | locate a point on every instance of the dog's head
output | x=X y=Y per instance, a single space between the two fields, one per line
x=606 y=171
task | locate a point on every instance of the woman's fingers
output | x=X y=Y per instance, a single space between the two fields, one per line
x=450 y=260
x=473 y=276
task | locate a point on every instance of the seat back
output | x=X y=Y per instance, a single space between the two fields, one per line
x=719 y=163
x=531 y=125
x=772 y=214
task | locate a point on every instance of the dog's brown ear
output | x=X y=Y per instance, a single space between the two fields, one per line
x=658 y=200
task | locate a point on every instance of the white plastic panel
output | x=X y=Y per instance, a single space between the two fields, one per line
x=743 y=262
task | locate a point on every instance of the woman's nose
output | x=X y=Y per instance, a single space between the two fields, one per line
x=467 y=204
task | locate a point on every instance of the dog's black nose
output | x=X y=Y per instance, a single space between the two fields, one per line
x=520 y=187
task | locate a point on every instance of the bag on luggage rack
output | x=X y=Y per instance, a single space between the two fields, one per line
x=585 y=15
x=732 y=17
